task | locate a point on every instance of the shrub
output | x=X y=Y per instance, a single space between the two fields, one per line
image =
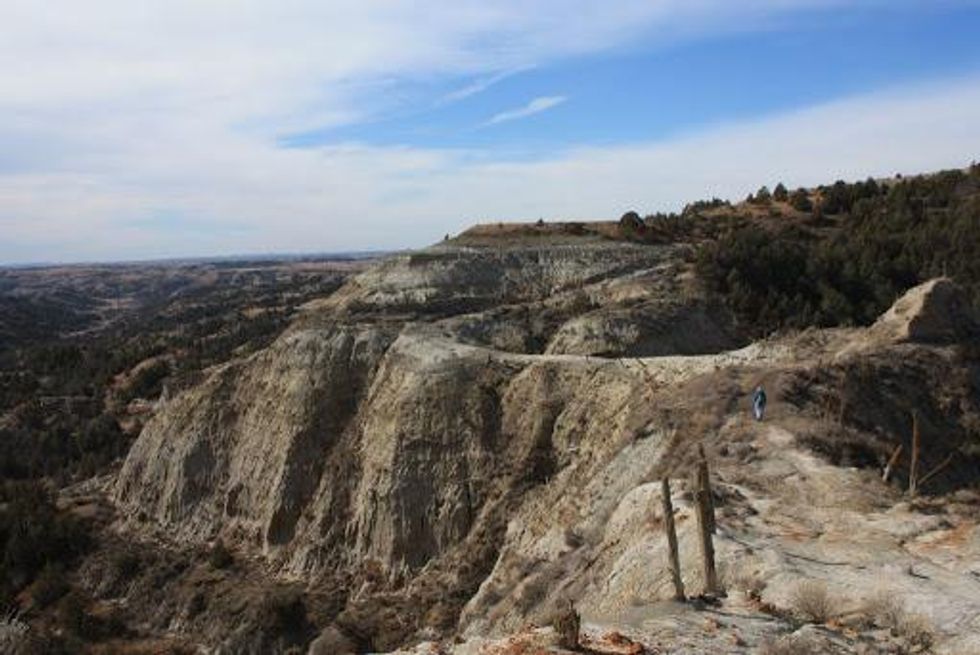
x=631 y=224
x=220 y=557
x=811 y=602
x=148 y=381
x=780 y=193
x=33 y=534
x=741 y=579
x=790 y=645
x=917 y=630
x=74 y=617
x=885 y=610
x=283 y=612
x=796 y=277
x=800 y=201
x=14 y=634
x=50 y=585
x=126 y=565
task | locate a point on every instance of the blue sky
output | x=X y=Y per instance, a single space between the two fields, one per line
x=199 y=127
x=647 y=92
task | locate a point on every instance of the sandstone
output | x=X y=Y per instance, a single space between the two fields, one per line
x=491 y=424
x=933 y=312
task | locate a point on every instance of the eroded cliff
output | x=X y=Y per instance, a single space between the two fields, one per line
x=469 y=434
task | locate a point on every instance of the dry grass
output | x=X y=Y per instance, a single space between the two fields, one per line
x=882 y=610
x=790 y=645
x=886 y=610
x=740 y=578
x=812 y=602
x=14 y=637
x=917 y=630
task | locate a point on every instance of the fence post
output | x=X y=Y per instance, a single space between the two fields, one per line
x=705 y=487
x=891 y=463
x=675 y=561
x=568 y=624
x=914 y=466
x=701 y=494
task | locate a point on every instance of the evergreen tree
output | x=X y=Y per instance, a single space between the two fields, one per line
x=800 y=200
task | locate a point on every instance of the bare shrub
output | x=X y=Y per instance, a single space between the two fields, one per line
x=740 y=578
x=283 y=611
x=220 y=557
x=882 y=610
x=886 y=610
x=917 y=630
x=14 y=637
x=50 y=585
x=125 y=565
x=812 y=602
x=790 y=645
x=332 y=641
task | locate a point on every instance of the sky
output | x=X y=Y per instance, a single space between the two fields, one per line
x=142 y=130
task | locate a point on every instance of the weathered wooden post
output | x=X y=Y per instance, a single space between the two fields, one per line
x=702 y=495
x=675 y=560
x=891 y=463
x=935 y=471
x=914 y=466
x=705 y=486
x=568 y=625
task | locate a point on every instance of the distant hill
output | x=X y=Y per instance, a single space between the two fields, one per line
x=838 y=254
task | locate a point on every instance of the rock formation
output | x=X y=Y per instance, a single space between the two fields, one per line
x=490 y=421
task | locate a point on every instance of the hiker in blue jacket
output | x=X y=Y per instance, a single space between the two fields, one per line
x=759 y=402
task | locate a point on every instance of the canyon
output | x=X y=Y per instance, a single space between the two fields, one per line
x=463 y=438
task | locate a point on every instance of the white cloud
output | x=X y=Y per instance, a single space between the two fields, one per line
x=533 y=107
x=251 y=197
x=116 y=116
x=478 y=86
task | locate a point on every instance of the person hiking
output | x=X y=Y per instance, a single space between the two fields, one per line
x=759 y=402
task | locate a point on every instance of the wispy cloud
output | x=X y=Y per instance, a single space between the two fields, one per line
x=166 y=108
x=301 y=200
x=536 y=106
x=477 y=86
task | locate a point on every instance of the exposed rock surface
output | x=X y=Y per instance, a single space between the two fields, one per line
x=934 y=312
x=486 y=425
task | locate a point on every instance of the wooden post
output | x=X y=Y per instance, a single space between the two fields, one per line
x=891 y=463
x=939 y=467
x=914 y=466
x=567 y=624
x=704 y=529
x=675 y=560
x=704 y=476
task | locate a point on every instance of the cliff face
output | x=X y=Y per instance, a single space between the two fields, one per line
x=245 y=450
x=488 y=422
x=382 y=424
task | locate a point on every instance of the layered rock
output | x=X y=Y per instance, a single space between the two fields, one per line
x=369 y=430
x=245 y=451
x=478 y=419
